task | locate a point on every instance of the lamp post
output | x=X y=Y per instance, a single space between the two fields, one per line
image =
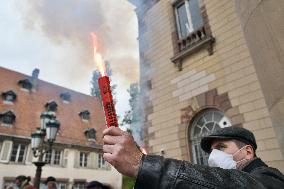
x=42 y=140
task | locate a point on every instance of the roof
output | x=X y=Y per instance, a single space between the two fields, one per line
x=30 y=105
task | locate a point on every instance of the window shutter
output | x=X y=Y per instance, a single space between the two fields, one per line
x=65 y=158
x=77 y=159
x=6 y=151
x=29 y=157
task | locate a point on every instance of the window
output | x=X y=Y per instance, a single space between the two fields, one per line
x=25 y=84
x=18 y=153
x=193 y=32
x=8 y=117
x=90 y=133
x=80 y=185
x=57 y=157
x=204 y=124
x=188 y=17
x=47 y=157
x=183 y=24
x=61 y=185
x=9 y=96
x=83 y=159
x=101 y=162
x=85 y=115
x=53 y=157
x=66 y=97
x=51 y=106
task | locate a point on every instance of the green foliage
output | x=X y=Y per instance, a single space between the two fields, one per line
x=132 y=115
x=128 y=183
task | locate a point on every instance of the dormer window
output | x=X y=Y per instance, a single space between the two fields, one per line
x=65 y=97
x=90 y=133
x=9 y=97
x=7 y=117
x=25 y=84
x=85 y=115
x=51 y=106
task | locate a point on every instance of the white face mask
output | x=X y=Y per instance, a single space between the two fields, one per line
x=223 y=160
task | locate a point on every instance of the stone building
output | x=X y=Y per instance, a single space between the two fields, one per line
x=76 y=156
x=207 y=64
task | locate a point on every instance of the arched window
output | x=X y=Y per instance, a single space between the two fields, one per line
x=204 y=124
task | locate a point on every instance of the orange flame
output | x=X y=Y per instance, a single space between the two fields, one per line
x=143 y=150
x=98 y=59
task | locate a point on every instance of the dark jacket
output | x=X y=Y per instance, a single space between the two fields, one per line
x=158 y=172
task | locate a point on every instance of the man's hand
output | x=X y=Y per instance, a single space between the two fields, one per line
x=120 y=151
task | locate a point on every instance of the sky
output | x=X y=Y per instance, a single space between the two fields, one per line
x=54 y=36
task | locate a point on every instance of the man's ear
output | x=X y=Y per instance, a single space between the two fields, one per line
x=249 y=152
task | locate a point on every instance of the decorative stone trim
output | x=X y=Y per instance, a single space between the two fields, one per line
x=209 y=99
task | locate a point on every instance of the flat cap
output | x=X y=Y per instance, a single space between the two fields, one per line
x=233 y=132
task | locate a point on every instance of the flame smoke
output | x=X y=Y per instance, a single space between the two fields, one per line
x=71 y=21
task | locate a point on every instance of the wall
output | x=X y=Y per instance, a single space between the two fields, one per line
x=111 y=177
x=226 y=80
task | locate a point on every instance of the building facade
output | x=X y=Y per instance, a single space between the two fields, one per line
x=76 y=156
x=204 y=67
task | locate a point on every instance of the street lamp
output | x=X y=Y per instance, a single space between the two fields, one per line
x=42 y=140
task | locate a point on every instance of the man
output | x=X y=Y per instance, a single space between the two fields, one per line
x=232 y=163
x=51 y=183
x=94 y=185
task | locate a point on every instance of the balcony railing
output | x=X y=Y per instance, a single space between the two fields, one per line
x=195 y=41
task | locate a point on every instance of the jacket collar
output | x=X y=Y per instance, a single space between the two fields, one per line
x=253 y=164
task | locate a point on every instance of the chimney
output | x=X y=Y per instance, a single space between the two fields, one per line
x=34 y=78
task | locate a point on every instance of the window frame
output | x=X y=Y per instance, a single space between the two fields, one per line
x=197 y=39
x=65 y=97
x=194 y=140
x=102 y=164
x=188 y=17
x=26 y=85
x=82 y=183
x=91 y=134
x=60 y=184
x=85 y=115
x=9 y=97
x=84 y=162
x=53 y=156
x=51 y=106
x=16 y=161
x=8 y=114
